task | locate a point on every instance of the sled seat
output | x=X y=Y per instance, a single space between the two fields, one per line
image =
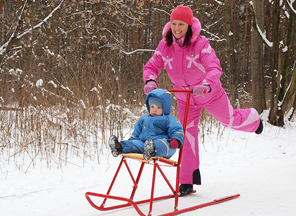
x=152 y=159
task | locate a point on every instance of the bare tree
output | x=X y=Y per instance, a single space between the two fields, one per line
x=281 y=45
x=232 y=51
x=258 y=89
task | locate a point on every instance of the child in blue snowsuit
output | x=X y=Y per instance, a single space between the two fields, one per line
x=155 y=134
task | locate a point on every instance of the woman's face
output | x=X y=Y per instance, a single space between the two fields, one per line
x=179 y=28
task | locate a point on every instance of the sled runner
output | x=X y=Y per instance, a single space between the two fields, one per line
x=156 y=162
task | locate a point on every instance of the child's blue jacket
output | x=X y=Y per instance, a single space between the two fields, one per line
x=161 y=127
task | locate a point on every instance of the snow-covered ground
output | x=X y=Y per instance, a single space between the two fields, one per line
x=261 y=168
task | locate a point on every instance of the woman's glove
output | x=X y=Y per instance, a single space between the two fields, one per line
x=151 y=85
x=174 y=143
x=201 y=90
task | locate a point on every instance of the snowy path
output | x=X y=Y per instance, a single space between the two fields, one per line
x=260 y=168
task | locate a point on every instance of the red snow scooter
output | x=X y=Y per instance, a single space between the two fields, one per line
x=156 y=162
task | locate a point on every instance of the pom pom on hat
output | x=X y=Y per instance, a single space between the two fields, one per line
x=182 y=13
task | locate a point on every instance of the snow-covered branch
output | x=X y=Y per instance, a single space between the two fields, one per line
x=112 y=35
x=3 y=48
x=23 y=8
x=42 y=22
x=5 y=45
x=157 y=9
x=213 y=36
x=291 y=6
x=219 y=2
x=137 y=50
x=257 y=28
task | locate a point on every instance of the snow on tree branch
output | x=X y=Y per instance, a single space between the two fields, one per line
x=137 y=50
x=3 y=48
x=20 y=16
x=257 y=28
x=112 y=35
x=291 y=5
x=219 y=2
x=42 y=22
x=5 y=45
x=157 y=9
x=213 y=36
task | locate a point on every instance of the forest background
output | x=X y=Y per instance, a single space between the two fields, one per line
x=71 y=71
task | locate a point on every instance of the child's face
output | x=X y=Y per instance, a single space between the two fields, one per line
x=155 y=110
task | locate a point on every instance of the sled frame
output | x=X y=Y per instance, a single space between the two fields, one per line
x=156 y=162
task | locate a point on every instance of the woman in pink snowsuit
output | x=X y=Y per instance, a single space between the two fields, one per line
x=191 y=63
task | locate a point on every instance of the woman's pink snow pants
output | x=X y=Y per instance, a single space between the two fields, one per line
x=217 y=104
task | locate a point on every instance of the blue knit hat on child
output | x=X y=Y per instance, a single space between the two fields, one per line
x=155 y=101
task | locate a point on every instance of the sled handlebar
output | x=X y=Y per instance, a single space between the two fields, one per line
x=180 y=90
x=188 y=91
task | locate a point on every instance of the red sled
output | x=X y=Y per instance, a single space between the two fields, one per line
x=156 y=162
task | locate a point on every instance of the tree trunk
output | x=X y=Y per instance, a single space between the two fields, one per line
x=286 y=94
x=246 y=31
x=275 y=114
x=293 y=107
x=258 y=90
x=291 y=93
x=232 y=57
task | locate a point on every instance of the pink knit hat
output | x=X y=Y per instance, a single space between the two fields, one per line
x=182 y=13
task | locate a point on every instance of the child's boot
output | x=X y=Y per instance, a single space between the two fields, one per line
x=116 y=148
x=149 y=150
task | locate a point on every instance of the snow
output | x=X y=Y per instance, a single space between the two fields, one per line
x=39 y=83
x=261 y=168
x=219 y=2
x=39 y=24
x=263 y=35
x=137 y=50
x=291 y=6
x=53 y=83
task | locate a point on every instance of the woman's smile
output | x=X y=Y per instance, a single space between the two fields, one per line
x=179 y=28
